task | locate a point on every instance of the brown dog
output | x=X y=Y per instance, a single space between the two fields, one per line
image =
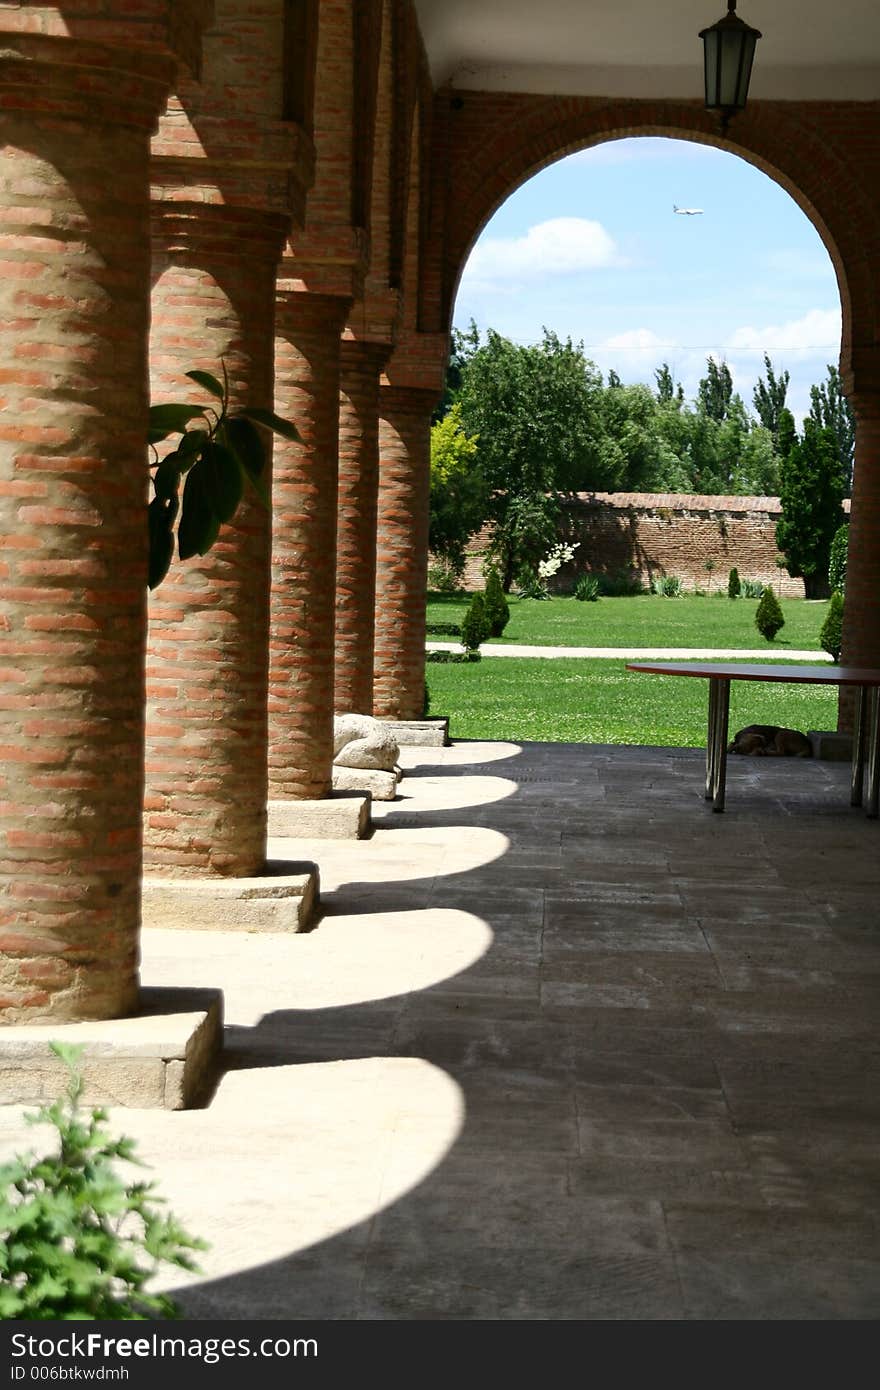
x=770 y=741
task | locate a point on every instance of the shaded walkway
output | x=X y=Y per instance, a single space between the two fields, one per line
x=564 y=1046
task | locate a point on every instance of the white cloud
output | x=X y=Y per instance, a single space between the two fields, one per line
x=561 y=246
x=817 y=331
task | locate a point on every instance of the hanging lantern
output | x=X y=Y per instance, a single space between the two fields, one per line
x=728 y=53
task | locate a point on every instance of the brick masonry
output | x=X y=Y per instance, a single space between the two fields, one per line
x=698 y=539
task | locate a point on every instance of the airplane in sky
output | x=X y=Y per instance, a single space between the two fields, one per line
x=687 y=212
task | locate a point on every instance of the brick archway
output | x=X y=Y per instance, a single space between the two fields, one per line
x=492 y=143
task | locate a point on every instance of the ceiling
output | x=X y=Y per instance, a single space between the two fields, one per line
x=810 y=49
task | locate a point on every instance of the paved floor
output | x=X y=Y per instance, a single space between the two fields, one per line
x=565 y=1045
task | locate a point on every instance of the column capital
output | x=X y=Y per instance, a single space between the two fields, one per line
x=216 y=231
x=296 y=306
x=362 y=353
x=244 y=160
x=860 y=378
x=406 y=400
x=68 y=79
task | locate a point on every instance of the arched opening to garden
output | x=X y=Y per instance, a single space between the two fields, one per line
x=644 y=403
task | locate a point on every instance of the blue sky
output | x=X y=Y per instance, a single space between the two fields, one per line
x=591 y=248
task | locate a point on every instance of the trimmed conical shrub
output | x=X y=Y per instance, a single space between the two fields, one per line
x=474 y=624
x=831 y=636
x=497 y=607
x=768 y=618
x=734 y=586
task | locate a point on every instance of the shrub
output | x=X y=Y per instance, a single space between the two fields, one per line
x=734 y=587
x=751 y=588
x=474 y=624
x=620 y=584
x=497 y=607
x=453 y=658
x=443 y=629
x=667 y=585
x=426 y=702
x=831 y=636
x=587 y=588
x=768 y=616
x=444 y=578
x=75 y=1241
x=529 y=584
x=837 y=560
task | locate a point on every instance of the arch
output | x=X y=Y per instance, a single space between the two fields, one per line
x=493 y=144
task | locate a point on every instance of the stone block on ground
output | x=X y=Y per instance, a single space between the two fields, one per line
x=343 y=815
x=164 y=1057
x=833 y=747
x=426 y=733
x=382 y=786
x=284 y=899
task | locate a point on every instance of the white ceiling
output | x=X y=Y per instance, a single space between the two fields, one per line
x=819 y=49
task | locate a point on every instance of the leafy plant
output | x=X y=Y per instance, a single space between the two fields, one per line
x=667 y=585
x=837 y=559
x=734 y=586
x=218 y=457
x=475 y=625
x=768 y=615
x=831 y=635
x=751 y=588
x=529 y=584
x=497 y=607
x=76 y=1242
x=445 y=658
x=587 y=588
x=443 y=629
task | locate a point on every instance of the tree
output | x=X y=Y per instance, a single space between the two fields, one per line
x=769 y=398
x=715 y=391
x=459 y=495
x=837 y=560
x=535 y=410
x=810 y=494
x=475 y=625
x=831 y=410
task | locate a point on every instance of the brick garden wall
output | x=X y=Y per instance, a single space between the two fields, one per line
x=699 y=539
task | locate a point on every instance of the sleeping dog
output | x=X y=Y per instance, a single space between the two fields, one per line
x=770 y=741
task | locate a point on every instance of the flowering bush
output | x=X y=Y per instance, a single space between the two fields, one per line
x=560 y=555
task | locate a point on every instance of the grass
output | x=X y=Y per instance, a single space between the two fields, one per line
x=599 y=701
x=562 y=700
x=646 y=620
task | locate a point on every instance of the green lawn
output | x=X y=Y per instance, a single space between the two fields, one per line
x=599 y=701
x=646 y=620
x=563 y=700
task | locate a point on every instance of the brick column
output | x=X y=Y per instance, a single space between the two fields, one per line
x=402 y=550
x=361 y=364
x=304 y=545
x=861 y=615
x=207 y=658
x=74 y=289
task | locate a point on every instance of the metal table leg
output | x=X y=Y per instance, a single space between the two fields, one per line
x=860 y=732
x=873 y=759
x=722 y=710
x=710 y=739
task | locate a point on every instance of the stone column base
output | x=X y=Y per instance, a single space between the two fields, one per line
x=165 y=1057
x=283 y=899
x=833 y=747
x=343 y=815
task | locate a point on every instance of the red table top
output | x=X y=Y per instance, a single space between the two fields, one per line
x=752 y=671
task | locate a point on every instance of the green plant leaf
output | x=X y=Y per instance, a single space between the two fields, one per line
x=169 y=419
x=197 y=516
x=223 y=480
x=209 y=382
x=160 y=515
x=190 y=447
x=166 y=479
x=286 y=428
x=244 y=440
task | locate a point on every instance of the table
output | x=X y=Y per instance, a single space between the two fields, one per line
x=865 y=784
